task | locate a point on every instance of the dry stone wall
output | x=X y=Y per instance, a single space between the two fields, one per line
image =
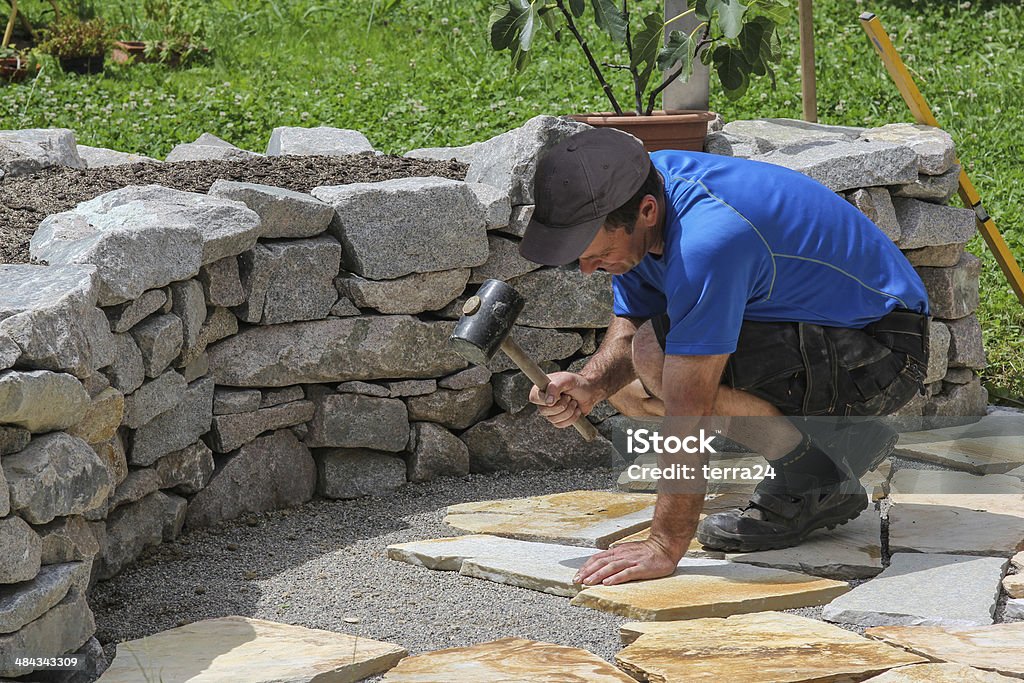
x=184 y=358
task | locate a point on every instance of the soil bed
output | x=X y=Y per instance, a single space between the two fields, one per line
x=26 y=200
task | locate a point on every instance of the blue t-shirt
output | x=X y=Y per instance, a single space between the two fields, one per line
x=746 y=240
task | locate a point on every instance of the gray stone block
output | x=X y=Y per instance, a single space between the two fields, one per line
x=132 y=528
x=517 y=222
x=222 y=282
x=354 y=473
x=290 y=280
x=102 y=417
x=344 y=308
x=283 y=213
x=732 y=145
x=197 y=367
x=770 y=134
x=941 y=256
x=357 y=421
x=160 y=340
x=274 y=397
x=33 y=149
x=527 y=441
x=364 y=388
x=56 y=475
x=407 y=225
x=335 y=350
x=956 y=401
x=67 y=539
x=12 y=440
x=229 y=432
x=565 y=297
x=876 y=204
x=455 y=409
x=112 y=454
x=938 y=189
x=471 y=377
x=208 y=147
x=165 y=234
x=411 y=387
x=272 y=472
x=495 y=202
x=22 y=550
x=100 y=157
x=319 y=141
x=136 y=486
x=30 y=600
x=10 y=352
x=938 y=351
x=189 y=305
x=965 y=344
x=435 y=452
x=47 y=312
x=414 y=293
x=509 y=161
x=127 y=372
x=928 y=225
x=124 y=316
x=153 y=398
x=187 y=471
x=63 y=629
x=953 y=292
x=41 y=401
x=177 y=428
x=848 y=165
x=503 y=261
x=934 y=147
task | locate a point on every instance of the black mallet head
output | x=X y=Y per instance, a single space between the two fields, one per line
x=487 y=319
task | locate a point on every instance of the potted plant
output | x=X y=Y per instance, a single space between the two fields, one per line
x=739 y=40
x=16 y=65
x=79 y=46
x=170 y=34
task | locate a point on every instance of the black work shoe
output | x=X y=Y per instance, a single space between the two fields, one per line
x=777 y=519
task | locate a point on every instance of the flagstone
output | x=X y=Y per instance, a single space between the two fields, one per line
x=939 y=673
x=582 y=518
x=507 y=660
x=711 y=588
x=1014 y=585
x=955 y=512
x=999 y=647
x=1017 y=561
x=448 y=554
x=876 y=482
x=850 y=551
x=252 y=650
x=917 y=589
x=695 y=550
x=1014 y=609
x=753 y=648
x=991 y=445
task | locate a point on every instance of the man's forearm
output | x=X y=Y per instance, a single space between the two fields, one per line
x=611 y=368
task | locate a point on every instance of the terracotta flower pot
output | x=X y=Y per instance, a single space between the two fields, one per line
x=13 y=70
x=673 y=129
x=128 y=50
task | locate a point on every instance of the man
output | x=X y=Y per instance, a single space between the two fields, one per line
x=740 y=289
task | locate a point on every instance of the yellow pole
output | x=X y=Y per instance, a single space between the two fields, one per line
x=10 y=24
x=923 y=114
x=808 y=85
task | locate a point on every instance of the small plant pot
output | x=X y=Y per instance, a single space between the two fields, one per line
x=13 y=70
x=128 y=51
x=673 y=129
x=92 y=64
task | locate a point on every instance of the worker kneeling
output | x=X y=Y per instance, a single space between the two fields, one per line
x=740 y=289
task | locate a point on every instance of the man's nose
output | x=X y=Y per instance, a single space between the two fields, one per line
x=588 y=266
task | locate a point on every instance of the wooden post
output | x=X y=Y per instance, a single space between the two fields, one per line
x=808 y=86
x=10 y=24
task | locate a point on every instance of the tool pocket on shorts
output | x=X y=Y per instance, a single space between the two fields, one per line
x=864 y=362
x=819 y=357
x=765 y=354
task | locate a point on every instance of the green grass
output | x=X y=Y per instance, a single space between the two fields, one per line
x=423 y=74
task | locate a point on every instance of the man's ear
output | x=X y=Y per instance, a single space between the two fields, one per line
x=649 y=209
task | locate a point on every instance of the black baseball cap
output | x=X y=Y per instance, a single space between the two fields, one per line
x=578 y=183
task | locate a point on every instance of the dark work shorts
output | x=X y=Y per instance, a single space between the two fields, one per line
x=805 y=369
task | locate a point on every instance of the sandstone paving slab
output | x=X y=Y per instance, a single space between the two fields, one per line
x=917 y=589
x=506 y=660
x=544 y=567
x=695 y=549
x=991 y=445
x=1014 y=585
x=753 y=648
x=999 y=647
x=939 y=673
x=955 y=512
x=850 y=551
x=711 y=588
x=252 y=650
x=582 y=518
x=1014 y=609
x=448 y=554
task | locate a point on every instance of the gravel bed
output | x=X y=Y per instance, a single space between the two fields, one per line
x=26 y=200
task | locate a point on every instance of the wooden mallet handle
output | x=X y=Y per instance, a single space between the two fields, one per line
x=540 y=379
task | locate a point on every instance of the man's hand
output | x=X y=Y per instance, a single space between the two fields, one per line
x=569 y=396
x=628 y=562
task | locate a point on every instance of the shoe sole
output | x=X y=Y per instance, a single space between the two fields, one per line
x=746 y=544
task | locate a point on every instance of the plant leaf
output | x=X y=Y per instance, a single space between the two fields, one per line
x=577 y=7
x=733 y=71
x=680 y=49
x=730 y=14
x=610 y=19
x=527 y=28
x=506 y=23
x=646 y=46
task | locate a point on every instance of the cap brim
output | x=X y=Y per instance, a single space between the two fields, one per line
x=557 y=246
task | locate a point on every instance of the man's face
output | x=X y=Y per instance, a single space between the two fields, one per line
x=618 y=251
